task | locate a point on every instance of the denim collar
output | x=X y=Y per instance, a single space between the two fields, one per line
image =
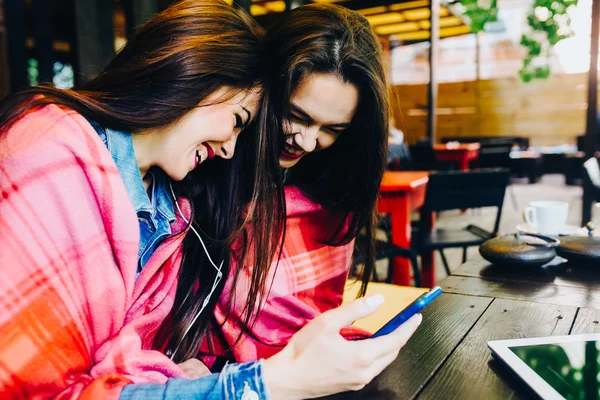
x=122 y=151
x=162 y=194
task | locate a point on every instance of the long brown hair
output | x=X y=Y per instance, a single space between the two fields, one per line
x=345 y=178
x=171 y=64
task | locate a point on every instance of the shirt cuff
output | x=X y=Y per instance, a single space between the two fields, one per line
x=245 y=381
x=235 y=382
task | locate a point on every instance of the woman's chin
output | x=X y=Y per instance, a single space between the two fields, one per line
x=287 y=163
x=177 y=175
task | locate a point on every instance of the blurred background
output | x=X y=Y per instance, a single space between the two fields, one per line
x=516 y=77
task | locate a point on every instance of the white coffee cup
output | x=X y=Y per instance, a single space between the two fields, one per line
x=547 y=217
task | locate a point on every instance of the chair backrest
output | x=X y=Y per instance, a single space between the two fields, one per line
x=591 y=176
x=423 y=157
x=496 y=155
x=467 y=189
x=581 y=142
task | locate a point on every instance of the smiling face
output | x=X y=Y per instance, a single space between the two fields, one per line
x=210 y=130
x=321 y=108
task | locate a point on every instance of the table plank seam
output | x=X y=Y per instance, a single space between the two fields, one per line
x=539 y=292
x=505 y=279
x=441 y=365
x=446 y=290
x=574 y=319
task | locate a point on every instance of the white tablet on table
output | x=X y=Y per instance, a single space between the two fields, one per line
x=555 y=367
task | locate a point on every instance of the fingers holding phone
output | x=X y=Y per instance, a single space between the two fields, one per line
x=388 y=347
x=397 y=339
x=318 y=361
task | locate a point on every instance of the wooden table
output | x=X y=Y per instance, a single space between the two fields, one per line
x=461 y=153
x=448 y=358
x=401 y=193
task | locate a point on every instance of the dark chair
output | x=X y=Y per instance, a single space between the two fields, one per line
x=526 y=165
x=553 y=163
x=423 y=157
x=496 y=155
x=581 y=142
x=591 y=177
x=387 y=250
x=573 y=168
x=458 y=191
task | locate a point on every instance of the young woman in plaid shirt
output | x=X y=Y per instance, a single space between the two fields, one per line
x=330 y=84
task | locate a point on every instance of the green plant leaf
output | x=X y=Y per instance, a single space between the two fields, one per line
x=479 y=16
x=525 y=75
x=548 y=30
x=541 y=72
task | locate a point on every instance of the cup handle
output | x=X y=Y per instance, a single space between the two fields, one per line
x=530 y=218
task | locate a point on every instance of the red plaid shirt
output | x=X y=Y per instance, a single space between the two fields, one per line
x=308 y=280
x=74 y=320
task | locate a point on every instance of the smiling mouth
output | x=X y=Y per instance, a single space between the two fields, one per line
x=290 y=150
x=198 y=158
x=203 y=153
x=211 y=152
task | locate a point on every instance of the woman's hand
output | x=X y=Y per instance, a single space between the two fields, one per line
x=318 y=361
x=194 y=368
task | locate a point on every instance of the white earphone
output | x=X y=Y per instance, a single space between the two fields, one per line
x=217 y=278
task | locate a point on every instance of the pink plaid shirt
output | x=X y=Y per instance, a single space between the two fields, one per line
x=74 y=320
x=308 y=280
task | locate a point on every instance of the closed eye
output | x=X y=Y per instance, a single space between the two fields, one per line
x=239 y=123
x=334 y=131
x=297 y=118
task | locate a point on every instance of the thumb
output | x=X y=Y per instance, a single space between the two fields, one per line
x=350 y=312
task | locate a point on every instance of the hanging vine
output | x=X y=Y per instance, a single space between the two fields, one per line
x=478 y=12
x=550 y=23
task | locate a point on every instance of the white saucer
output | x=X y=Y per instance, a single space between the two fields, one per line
x=567 y=230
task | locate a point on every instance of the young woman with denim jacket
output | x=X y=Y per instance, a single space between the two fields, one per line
x=120 y=203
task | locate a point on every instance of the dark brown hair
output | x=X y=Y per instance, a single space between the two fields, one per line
x=172 y=63
x=345 y=178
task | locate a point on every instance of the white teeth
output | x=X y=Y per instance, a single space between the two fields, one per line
x=201 y=154
x=289 y=140
x=292 y=150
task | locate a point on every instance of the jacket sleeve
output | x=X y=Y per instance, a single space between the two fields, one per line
x=235 y=382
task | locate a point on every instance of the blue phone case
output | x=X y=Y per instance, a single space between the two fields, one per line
x=414 y=307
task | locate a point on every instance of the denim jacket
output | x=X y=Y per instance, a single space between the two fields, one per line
x=235 y=381
x=154 y=217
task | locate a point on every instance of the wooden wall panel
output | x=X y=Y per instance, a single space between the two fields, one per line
x=548 y=112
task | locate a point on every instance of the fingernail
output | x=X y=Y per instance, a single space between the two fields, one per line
x=374 y=301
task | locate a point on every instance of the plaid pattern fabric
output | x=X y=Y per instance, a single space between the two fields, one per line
x=308 y=280
x=74 y=321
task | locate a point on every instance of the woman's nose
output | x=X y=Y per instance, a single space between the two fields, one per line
x=307 y=138
x=227 y=149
